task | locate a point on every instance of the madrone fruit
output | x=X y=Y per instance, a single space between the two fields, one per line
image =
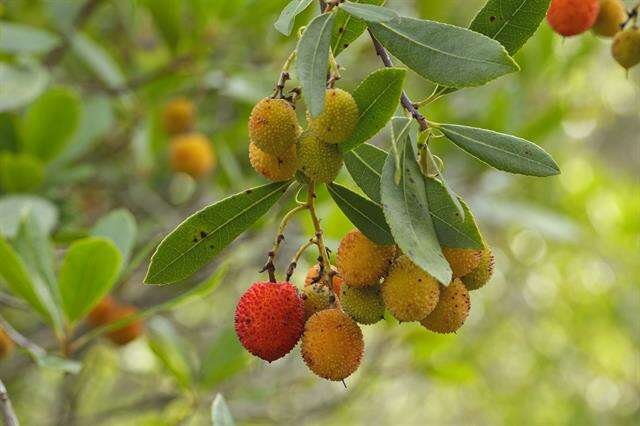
x=127 y=333
x=462 y=260
x=319 y=161
x=313 y=276
x=273 y=126
x=611 y=16
x=626 y=47
x=274 y=167
x=338 y=120
x=572 y=17
x=316 y=298
x=179 y=116
x=409 y=293
x=269 y=319
x=364 y=304
x=482 y=273
x=192 y=154
x=332 y=344
x=452 y=309
x=360 y=261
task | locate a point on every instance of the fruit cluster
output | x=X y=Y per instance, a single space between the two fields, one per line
x=606 y=18
x=279 y=147
x=190 y=151
x=272 y=317
x=108 y=311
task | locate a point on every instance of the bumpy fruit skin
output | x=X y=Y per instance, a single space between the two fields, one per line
x=626 y=47
x=338 y=120
x=101 y=314
x=319 y=161
x=462 y=260
x=6 y=344
x=409 y=293
x=364 y=304
x=192 y=154
x=452 y=309
x=572 y=17
x=129 y=332
x=482 y=273
x=273 y=126
x=362 y=262
x=612 y=14
x=312 y=277
x=270 y=319
x=316 y=298
x=179 y=116
x=332 y=344
x=274 y=167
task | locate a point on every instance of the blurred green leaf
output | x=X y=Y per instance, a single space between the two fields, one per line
x=56 y=363
x=167 y=16
x=285 y=21
x=365 y=164
x=50 y=122
x=220 y=414
x=348 y=28
x=170 y=349
x=21 y=83
x=203 y=235
x=377 y=97
x=224 y=358
x=9 y=138
x=98 y=59
x=368 y=12
x=120 y=227
x=313 y=59
x=18 y=38
x=20 y=172
x=89 y=270
x=13 y=207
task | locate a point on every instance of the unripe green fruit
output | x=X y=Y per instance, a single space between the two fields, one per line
x=364 y=304
x=273 y=126
x=482 y=273
x=316 y=298
x=612 y=14
x=274 y=167
x=626 y=47
x=409 y=293
x=319 y=161
x=452 y=309
x=338 y=120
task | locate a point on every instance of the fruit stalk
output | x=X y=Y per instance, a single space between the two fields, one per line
x=294 y=260
x=8 y=415
x=326 y=265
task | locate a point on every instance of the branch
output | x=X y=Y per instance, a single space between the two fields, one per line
x=34 y=350
x=8 y=415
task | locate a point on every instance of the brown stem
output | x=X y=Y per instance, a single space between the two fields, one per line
x=296 y=257
x=34 y=350
x=324 y=257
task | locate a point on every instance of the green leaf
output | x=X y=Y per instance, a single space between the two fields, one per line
x=20 y=172
x=13 y=207
x=377 y=97
x=225 y=358
x=56 y=363
x=120 y=227
x=287 y=17
x=504 y=152
x=98 y=59
x=366 y=215
x=50 y=122
x=203 y=235
x=313 y=59
x=167 y=17
x=21 y=83
x=511 y=22
x=368 y=12
x=170 y=349
x=17 y=38
x=445 y=54
x=348 y=28
x=89 y=271
x=452 y=229
x=406 y=210
x=365 y=164
x=220 y=414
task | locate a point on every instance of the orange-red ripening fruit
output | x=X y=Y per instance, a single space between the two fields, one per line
x=452 y=309
x=179 y=116
x=612 y=14
x=101 y=314
x=192 y=154
x=572 y=17
x=332 y=344
x=6 y=344
x=312 y=277
x=128 y=333
x=362 y=262
x=270 y=319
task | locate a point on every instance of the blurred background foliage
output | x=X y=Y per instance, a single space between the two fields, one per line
x=552 y=340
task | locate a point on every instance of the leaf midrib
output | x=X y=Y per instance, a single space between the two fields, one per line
x=333 y=191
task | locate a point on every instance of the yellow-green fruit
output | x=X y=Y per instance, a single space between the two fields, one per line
x=452 y=309
x=316 y=298
x=611 y=15
x=409 y=293
x=364 y=304
x=319 y=161
x=626 y=47
x=273 y=126
x=179 y=116
x=274 y=167
x=482 y=274
x=462 y=260
x=361 y=262
x=338 y=119
x=192 y=154
x=332 y=344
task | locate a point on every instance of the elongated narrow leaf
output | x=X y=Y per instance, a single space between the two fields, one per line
x=171 y=349
x=89 y=271
x=406 y=210
x=203 y=235
x=368 y=12
x=511 y=22
x=287 y=17
x=347 y=28
x=366 y=215
x=445 y=54
x=17 y=38
x=313 y=59
x=120 y=227
x=225 y=357
x=377 y=97
x=98 y=59
x=220 y=413
x=364 y=164
x=504 y=152
x=452 y=229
